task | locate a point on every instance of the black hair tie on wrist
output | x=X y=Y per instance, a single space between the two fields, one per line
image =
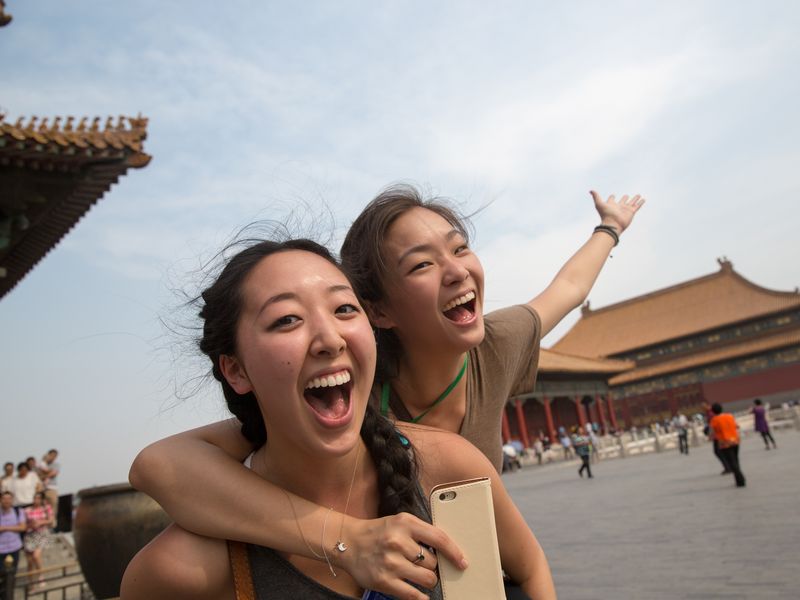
x=610 y=231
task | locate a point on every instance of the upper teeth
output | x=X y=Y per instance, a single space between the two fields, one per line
x=459 y=301
x=329 y=380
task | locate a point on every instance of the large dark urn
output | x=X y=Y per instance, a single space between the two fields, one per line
x=112 y=523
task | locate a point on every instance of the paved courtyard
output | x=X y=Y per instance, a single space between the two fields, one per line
x=670 y=526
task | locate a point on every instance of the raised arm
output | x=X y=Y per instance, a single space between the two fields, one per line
x=572 y=284
x=198 y=479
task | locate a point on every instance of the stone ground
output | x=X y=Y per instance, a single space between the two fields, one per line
x=668 y=525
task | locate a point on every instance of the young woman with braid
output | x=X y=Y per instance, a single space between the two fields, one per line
x=441 y=363
x=295 y=354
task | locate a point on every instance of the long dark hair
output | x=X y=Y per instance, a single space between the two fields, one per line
x=220 y=312
x=364 y=258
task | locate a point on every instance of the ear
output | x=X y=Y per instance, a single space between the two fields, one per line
x=378 y=315
x=235 y=374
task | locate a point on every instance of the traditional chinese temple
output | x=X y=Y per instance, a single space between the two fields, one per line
x=51 y=173
x=718 y=338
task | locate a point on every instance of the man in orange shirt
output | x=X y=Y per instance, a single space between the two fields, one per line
x=726 y=434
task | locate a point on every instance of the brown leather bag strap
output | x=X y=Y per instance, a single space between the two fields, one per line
x=240 y=566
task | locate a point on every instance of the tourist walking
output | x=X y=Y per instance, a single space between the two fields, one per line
x=681 y=424
x=40 y=522
x=708 y=431
x=594 y=442
x=49 y=470
x=566 y=444
x=762 y=426
x=8 y=477
x=583 y=448
x=726 y=433
x=12 y=524
x=25 y=485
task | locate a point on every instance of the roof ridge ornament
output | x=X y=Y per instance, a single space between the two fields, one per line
x=725 y=264
x=585 y=309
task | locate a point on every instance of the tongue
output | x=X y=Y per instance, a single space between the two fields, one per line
x=328 y=402
x=458 y=314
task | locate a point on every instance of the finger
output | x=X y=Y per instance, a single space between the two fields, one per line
x=437 y=539
x=596 y=197
x=624 y=199
x=611 y=199
x=424 y=557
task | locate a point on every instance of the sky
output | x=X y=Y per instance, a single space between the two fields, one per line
x=259 y=110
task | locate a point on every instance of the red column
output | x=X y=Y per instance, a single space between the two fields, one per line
x=523 y=426
x=548 y=414
x=505 y=428
x=581 y=412
x=598 y=400
x=611 y=414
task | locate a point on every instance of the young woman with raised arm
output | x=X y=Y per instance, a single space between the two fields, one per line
x=295 y=356
x=441 y=363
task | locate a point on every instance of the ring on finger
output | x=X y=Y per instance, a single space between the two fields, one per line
x=420 y=556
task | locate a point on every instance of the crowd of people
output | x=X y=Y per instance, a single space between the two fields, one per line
x=28 y=512
x=581 y=441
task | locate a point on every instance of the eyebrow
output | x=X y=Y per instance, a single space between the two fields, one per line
x=427 y=247
x=292 y=296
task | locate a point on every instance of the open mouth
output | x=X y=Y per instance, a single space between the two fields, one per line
x=461 y=309
x=329 y=396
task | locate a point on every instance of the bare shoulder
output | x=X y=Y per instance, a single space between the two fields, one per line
x=445 y=456
x=179 y=565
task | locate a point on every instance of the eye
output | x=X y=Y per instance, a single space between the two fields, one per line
x=419 y=266
x=284 y=322
x=347 y=309
x=461 y=249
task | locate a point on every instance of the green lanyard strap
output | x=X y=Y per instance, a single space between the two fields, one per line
x=386 y=391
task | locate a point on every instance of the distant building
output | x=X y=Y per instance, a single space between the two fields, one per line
x=717 y=338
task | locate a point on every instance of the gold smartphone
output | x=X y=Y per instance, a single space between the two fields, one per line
x=464 y=510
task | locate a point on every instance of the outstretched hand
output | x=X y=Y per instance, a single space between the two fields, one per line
x=617 y=214
x=384 y=554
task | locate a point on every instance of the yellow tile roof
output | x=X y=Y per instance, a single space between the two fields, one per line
x=551 y=361
x=715 y=300
x=51 y=145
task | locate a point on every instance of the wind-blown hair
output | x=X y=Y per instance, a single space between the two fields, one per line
x=364 y=257
x=221 y=308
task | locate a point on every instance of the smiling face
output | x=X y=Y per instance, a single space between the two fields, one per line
x=305 y=348
x=434 y=285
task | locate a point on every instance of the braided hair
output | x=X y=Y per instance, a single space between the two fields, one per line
x=221 y=308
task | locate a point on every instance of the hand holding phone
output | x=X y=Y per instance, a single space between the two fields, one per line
x=464 y=511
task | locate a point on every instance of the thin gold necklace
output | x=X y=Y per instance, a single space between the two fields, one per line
x=340 y=546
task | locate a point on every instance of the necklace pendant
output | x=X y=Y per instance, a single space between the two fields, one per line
x=340 y=546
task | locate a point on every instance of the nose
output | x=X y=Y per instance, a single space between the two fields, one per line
x=328 y=340
x=454 y=271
